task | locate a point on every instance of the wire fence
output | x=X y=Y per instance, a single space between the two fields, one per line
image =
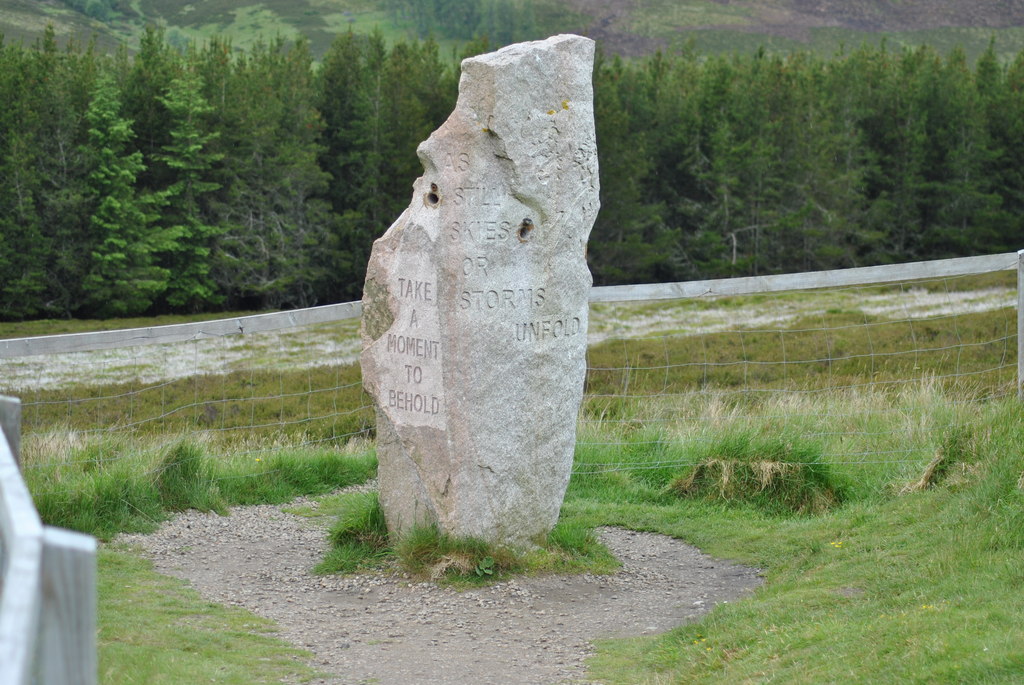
x=831 y=357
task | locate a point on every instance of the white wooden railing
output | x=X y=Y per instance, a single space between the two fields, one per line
x=811 y=280
x=47 y=583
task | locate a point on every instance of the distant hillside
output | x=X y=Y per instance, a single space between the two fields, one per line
x=627 y=27
x=23 y=21
x=634 y=27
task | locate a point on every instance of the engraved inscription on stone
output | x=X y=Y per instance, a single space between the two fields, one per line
x=475 y=304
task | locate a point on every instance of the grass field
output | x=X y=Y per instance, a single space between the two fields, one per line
x=882 y=491
x=154 y=629
x=908 y=571
x=908 y=577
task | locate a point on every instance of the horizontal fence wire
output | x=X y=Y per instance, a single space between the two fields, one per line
x=240 y=394
x=843 y=372
x=839 y=367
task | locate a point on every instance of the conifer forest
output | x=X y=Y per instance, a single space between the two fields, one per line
x=208 y=178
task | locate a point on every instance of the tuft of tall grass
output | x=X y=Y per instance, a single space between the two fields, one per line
x=573 y=547
x=360 y=541
x=112 y=485
x=286 y=473
x=428 y=552
x=100 y=503
x=184 y=479
x=359 y=537
x=779 y=474
x=958 y=451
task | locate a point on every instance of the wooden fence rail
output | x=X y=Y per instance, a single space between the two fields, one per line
x=259 y=323
x=47 y=583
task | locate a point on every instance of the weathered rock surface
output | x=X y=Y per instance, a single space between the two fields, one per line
x=475 y=304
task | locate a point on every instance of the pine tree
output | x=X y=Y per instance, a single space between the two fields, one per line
x=23 y=247
x=57 y=100
x=377 y=106
x=628 y=243
x=275 y=248
x=123 y=278
x=190 y=235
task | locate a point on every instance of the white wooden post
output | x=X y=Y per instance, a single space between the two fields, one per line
x=66 y=649
x=48 y=586
x=10 y=422
x=21 y=536
x=1020 y=325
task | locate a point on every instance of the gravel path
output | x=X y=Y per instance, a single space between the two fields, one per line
x=386 y=629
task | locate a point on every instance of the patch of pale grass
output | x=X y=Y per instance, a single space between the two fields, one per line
x=458 y=564
x=321 y=345
x=65 y=452
x=928 y=478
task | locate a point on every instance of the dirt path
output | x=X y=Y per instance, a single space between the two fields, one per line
x=385 y=629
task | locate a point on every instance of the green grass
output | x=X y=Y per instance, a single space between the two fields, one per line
x=154 y=629
x=896 y=584
x=359 y=536
x=911 y=572
x=893 y=583
x=360 y=541
x=820 y=351
x=118 y=485
x=312 y=404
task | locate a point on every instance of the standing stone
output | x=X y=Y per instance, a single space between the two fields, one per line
x=474 y=322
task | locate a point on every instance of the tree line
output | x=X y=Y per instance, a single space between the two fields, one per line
x=210 y=178
x=726 y=166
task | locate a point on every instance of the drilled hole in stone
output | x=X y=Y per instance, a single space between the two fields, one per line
x=524 y=230
x=433 y=197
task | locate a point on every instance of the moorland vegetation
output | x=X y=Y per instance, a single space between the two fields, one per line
x=877 y=569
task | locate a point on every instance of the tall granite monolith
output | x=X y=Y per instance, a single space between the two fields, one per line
x=474 y=322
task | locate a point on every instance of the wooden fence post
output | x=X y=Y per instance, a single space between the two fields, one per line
x=66 y=649
x=1020 y=325
x=48 y=583
x=10 y=422
x=21 y=551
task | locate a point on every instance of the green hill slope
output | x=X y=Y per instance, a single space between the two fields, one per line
x=641 y=27
x=627 y=27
